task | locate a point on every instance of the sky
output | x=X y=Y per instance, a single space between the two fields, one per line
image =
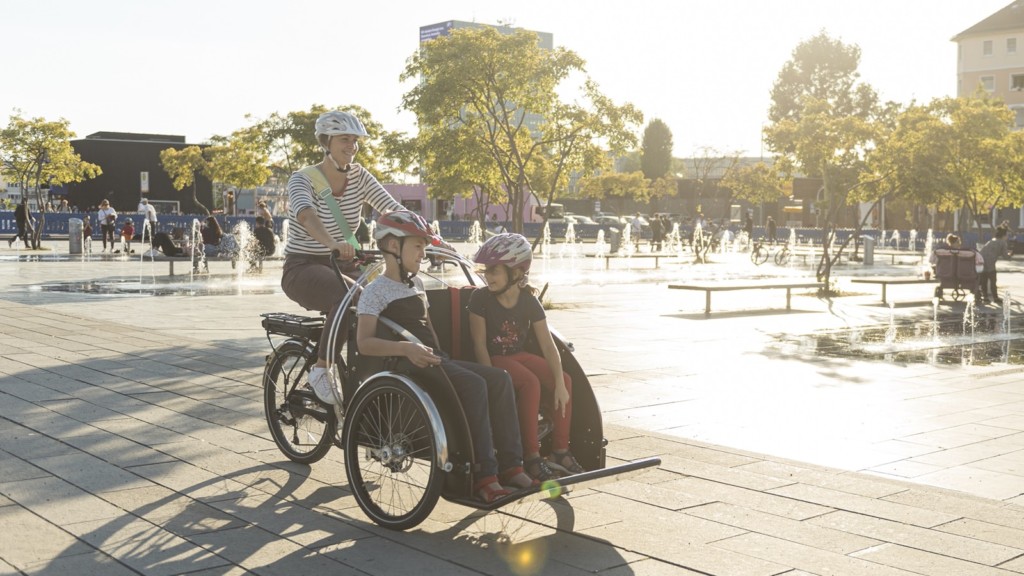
x=198 y=68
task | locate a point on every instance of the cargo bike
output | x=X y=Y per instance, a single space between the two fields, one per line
x=406 y=444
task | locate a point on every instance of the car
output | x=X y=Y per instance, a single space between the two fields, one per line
x=578 y=219
x=609 y=221
x=643 y=220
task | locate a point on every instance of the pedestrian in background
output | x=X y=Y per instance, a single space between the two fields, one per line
x=107 y=217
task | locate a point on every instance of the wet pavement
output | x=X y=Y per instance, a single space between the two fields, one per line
x=800 y=442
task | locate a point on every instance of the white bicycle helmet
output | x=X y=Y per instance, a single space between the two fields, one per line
x=512 y=250
x=337 y=122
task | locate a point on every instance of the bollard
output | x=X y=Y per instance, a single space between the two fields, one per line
x=614 y=240
x=74 y=236
x=869 y=251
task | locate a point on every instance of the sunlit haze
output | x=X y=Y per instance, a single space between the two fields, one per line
x=197 y=68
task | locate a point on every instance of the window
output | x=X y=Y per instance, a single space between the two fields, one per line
x=988 y=83
x=413 y=205
x=1018 y=117
x=986 y=48
x=1011 y=45
x=1017 y=82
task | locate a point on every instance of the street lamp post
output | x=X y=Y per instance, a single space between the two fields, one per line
x=37 y=233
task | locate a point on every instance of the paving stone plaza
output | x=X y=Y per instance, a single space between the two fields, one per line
x=133 y=441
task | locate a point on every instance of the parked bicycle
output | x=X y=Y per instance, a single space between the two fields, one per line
x=760 y=254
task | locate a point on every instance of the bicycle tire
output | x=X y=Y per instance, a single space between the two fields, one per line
x=302 y=427
x=391 y=455
x=759 y=255
x=782 y=257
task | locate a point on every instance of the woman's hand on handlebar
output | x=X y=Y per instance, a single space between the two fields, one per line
x=343 y=250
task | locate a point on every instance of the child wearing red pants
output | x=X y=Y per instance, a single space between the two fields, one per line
x=500 y=320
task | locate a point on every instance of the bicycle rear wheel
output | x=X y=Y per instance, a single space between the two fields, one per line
x=782 y=257
x=301 y=426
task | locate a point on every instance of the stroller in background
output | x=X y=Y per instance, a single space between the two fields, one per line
x=955 y=268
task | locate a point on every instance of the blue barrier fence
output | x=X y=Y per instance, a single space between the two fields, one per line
x=56 y=226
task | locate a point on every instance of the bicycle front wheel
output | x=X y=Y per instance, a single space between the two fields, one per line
x=782 y=257
x=390 y=455
x=301 y=426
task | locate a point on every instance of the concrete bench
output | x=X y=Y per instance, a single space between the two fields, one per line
x=731 y=285
x=885 y=281
x=609 y=257
x=191 y=261
x=913 y=256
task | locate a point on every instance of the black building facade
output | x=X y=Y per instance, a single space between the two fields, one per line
x=126 y=159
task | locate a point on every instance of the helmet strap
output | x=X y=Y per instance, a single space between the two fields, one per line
x=336 y=165
x=403 y=276
x=509 y=283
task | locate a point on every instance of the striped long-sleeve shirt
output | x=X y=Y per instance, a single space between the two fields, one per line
x=362 y=188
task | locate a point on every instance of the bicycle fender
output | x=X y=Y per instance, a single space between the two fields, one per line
x=433 y=416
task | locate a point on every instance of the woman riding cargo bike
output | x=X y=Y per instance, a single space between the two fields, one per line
x=407 y=441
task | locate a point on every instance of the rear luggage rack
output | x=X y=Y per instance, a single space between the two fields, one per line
x=307 y=327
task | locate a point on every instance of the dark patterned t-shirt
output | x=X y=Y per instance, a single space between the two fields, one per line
x=507 y=328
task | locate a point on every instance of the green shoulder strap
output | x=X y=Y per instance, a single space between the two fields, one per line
x=323 y=189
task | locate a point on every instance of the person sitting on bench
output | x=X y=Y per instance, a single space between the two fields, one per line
x=162 y=241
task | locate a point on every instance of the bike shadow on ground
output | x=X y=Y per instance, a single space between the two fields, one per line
x=264 y=519
x=174 y=440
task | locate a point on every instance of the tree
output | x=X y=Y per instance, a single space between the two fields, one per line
x=41 y=150
x=236 y=161
x=756 y=183
x=582 y=140
x=708 y=166
x=656 y=151
x=824 y=122
x=289 y=142
x=184 y=166
x=617 y=185
x=955 y=154
x=501 y=89
x=456 y=164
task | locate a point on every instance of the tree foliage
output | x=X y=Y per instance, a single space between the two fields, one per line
x=656 y=151
x=618 y=186
x=824 y=123
x=582 y=139
x=955 y=154
x=184 y=166
x=35 y=151
x=755 y=183
x=500 y=90
x=289 y=142
x=457 y=164
x=236 y=161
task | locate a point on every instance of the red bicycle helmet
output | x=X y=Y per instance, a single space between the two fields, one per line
x=403 y=224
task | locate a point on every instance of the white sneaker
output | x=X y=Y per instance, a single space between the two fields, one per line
x=322 y=383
